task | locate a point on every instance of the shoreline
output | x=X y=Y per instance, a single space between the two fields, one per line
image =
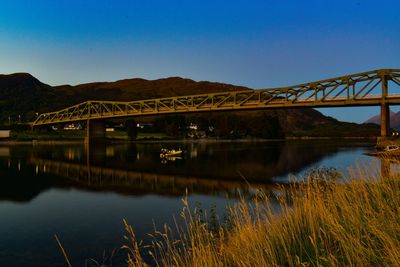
x=205 y=140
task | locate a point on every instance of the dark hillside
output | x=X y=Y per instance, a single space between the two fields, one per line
x=137 y=89
x=22 y=94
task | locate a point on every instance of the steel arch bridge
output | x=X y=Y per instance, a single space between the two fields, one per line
x=361 y=89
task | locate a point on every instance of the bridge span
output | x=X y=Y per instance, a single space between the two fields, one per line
x=372 y=88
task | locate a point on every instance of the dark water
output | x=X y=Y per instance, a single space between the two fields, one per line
x=82 y=194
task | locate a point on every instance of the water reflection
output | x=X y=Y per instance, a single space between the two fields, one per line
x=139 y=183
x=389 y=166
x=220 y=161
x=219 y=169
x=83 y=193
x=4 y=151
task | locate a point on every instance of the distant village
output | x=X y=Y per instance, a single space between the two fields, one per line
x=192 y=129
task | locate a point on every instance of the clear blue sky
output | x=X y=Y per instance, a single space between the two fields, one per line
x=253 y=43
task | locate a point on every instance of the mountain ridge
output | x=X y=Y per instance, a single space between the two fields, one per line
x=394 y=120
x=139 y=89
x=23 y=93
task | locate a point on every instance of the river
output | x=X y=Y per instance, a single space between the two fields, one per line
x=82 y=193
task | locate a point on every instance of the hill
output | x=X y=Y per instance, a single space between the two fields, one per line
x=24 y=95
x=137 y=89
x=394 y=120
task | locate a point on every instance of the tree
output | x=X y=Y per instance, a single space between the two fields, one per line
x=175 y=125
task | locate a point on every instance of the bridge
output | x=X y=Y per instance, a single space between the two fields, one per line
x=361 y=89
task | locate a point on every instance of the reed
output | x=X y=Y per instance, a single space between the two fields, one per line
x=319 y=223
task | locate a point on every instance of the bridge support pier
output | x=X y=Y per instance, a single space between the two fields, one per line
x=385 y=139
x=385 y=120
x=96 y=131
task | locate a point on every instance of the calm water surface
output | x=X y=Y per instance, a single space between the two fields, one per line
x=82 y=194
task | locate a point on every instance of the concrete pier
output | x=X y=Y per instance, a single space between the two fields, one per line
x=385 y=120
x=96 y=131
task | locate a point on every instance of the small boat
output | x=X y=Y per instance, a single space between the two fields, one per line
x=170 y=153
x=173 y=153
x=387 y=151
x=391 y=148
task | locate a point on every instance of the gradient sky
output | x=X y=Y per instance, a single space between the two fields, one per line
x=258 y=44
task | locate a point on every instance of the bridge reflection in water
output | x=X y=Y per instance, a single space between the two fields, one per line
x=390 y=166
x=94 y=173
x=207 y=169
x=128 y=181
x=136 y=169
x=125 y=169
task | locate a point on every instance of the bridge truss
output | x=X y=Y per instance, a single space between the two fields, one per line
x=361 y=89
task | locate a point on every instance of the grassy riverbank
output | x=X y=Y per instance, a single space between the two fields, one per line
x=356 y=223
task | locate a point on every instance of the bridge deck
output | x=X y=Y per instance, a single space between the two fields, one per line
x=361 y=89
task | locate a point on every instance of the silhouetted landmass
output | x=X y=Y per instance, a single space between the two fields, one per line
x=22 y=96
x=394 y=120
x=340 y=129
x=137 y=89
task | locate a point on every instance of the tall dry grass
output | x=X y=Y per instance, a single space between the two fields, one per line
x=320 y=223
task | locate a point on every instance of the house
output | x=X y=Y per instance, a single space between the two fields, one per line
x=5 y=134
x=73 y=126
